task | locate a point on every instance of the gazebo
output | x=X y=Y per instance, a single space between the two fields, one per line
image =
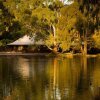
x=25 y=42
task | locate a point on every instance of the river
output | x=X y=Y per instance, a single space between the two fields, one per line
x=49 y=78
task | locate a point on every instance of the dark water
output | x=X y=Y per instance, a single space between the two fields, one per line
x=47 y=78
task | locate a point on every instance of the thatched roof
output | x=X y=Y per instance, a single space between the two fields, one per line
x=27 y=40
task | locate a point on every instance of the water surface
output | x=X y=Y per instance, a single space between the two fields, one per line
x=49 y=78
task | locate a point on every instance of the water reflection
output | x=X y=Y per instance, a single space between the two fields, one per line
x=45 y=78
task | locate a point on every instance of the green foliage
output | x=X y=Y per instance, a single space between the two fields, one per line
x=9 y=29
x=56 y=24
x=66 y=28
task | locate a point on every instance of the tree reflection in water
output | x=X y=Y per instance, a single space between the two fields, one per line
x=47 y=78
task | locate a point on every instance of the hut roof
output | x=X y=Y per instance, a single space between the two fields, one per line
x=27 y=40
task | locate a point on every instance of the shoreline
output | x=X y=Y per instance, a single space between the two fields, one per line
x=45 y=54
x=20 y=54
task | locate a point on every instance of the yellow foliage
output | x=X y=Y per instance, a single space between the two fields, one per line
x=96 y=38
x=50 y=40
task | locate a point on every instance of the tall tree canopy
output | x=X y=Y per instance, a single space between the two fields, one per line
x=58 y=24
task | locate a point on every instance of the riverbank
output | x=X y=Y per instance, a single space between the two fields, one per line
x=21 y=54
x=65 y=55
x=70 y=55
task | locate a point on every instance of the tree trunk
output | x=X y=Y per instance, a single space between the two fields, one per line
x=55 y=43
x=85 y=47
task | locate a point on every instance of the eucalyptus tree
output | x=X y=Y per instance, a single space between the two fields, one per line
x=4 y=20
x=53 y=22
x=67 y=33
x=60 y=21
x=38 y=16
x=5 y=24
x=90 y=23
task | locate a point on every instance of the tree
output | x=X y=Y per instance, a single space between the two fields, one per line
x=68 y=24
x=5 y=23
x=90 y=11
x=10 y=29
x=58 y=25
x=37 y=17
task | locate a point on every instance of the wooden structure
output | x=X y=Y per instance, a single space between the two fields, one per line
x=24 y=43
